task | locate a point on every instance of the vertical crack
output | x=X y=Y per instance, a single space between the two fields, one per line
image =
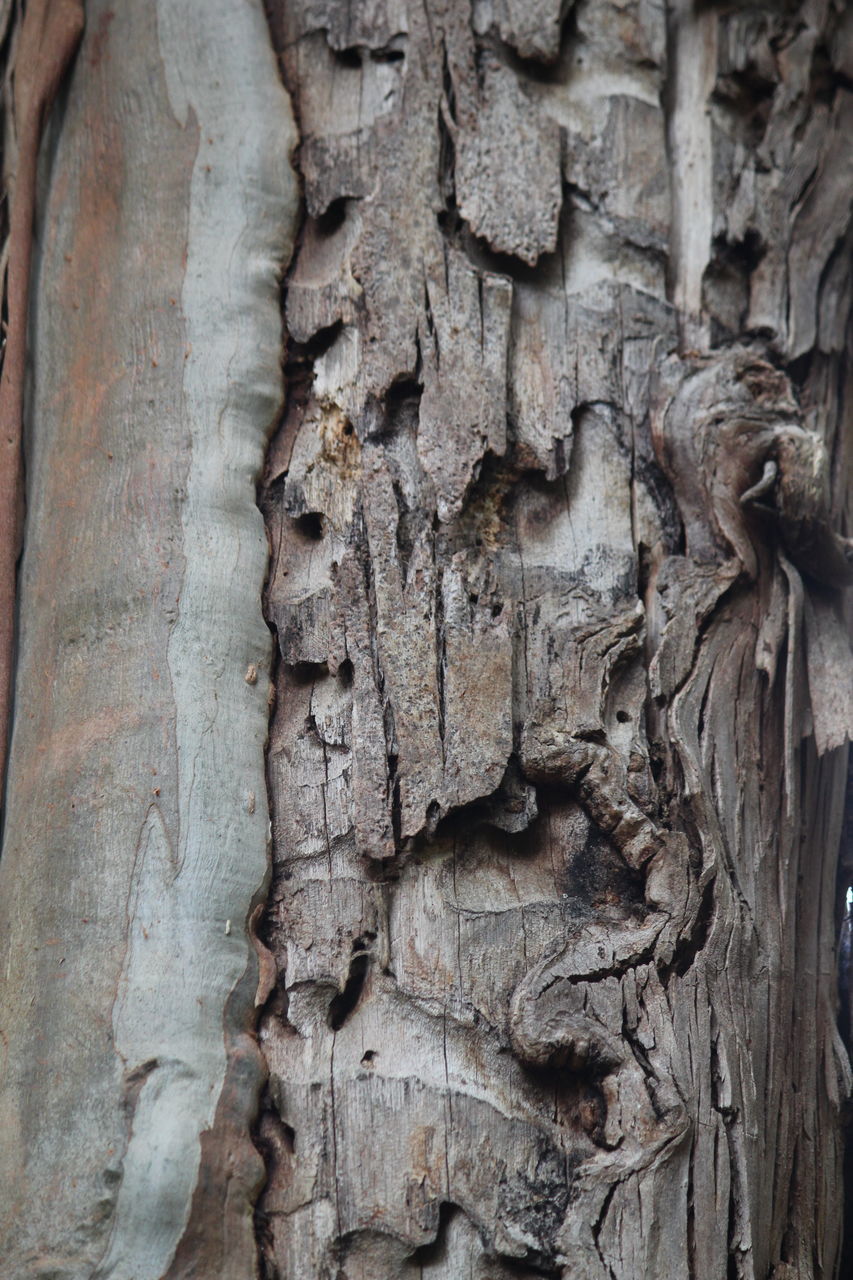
x=298 y=364
x=692 y=56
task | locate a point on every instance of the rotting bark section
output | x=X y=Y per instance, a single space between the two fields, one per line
x=556 y=765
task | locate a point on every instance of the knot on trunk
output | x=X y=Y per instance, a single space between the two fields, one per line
x=729 y=433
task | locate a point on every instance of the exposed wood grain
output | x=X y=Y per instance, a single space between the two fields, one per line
x=558 y=519
x=558 y=513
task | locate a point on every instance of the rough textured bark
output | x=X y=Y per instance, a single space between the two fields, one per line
x=558 y=761
x=136 y=834
x=564 y=688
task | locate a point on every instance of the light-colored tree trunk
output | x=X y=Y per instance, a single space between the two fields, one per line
x=543 y=977
x=135 y=843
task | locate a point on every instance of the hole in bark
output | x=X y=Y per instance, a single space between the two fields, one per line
x=332 y=218
x=369 y=1057
x=402 y=390
x=396 y=801
x=303 y=673
x=343 y=1004
x=579 y=1106
x=824 y=77
x=276 y=1142
x=310 y=525
x=732 y=1269
x=689 y=948
x=433 y=817
x=348 y=57
x=623 y=717
x=747 y=97
x=301 y=356
x=388 y=55
x=345 y=673
x=432 y=1251
x=399 y=409
x=539 y=67
x=725 y=287
x=545 y=271
x=266 y=1245
x=799 y=370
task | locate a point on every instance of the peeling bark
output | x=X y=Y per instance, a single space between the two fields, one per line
x=543 y=977
x=558 y=758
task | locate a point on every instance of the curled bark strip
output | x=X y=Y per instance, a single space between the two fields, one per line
x=49 y=38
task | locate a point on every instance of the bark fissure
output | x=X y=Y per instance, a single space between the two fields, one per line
x=557 y=514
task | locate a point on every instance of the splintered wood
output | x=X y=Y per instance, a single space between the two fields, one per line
x=558 y=757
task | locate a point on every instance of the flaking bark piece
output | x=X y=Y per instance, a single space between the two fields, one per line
x=508 y=134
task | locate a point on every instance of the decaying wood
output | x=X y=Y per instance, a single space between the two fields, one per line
x=135 y=846
x=558 y=757
x=544 y=980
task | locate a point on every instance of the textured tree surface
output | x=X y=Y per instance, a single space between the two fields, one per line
x=558 y=760
x=541 y=980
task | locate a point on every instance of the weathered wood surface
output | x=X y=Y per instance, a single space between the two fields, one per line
x=136 y=836
x=558 y=759
x=557 y=765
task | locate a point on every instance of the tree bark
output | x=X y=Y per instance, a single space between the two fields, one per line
x=136 y=830
x=558 y=762
x=538 y=975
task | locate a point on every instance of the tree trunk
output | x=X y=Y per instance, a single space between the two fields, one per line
x=135 y=844
x=545 y=981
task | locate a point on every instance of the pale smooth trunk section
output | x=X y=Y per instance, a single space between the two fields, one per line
x=137 y=829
